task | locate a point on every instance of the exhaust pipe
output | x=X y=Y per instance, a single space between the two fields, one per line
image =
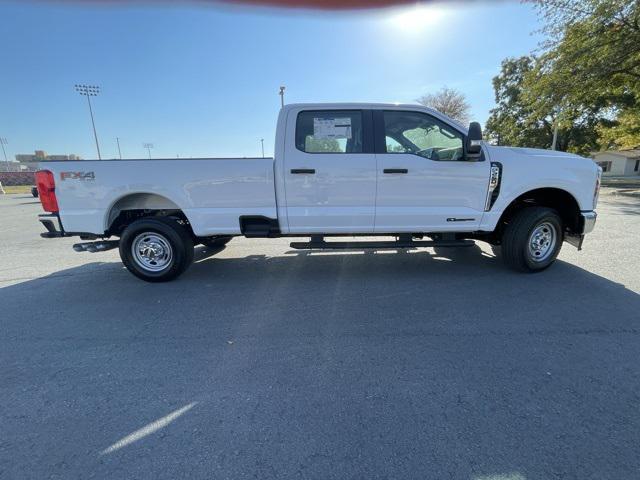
x=93 y=247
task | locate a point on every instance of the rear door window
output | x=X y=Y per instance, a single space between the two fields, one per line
x=329 y=131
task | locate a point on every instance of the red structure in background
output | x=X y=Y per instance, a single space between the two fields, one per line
x=12 y=179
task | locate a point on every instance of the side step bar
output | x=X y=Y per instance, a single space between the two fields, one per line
x=357 y=245
x=94 y=247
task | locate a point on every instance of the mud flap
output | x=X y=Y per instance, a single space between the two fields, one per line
x=575 y=240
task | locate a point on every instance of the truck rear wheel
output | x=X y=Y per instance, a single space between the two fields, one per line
x=156 y=249
x=532 y=239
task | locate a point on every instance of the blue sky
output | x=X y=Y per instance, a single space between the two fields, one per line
x=198 y=80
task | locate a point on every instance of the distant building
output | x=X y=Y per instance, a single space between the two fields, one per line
x=24 y=158
x=619 y=162
x=63 y=157
x=29 y=162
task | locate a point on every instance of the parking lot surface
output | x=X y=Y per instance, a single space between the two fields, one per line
x=264 y=362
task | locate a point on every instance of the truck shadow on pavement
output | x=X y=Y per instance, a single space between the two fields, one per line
x=316 y=365
x=622 y=204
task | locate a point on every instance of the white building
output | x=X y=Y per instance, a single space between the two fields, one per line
x=619 y=163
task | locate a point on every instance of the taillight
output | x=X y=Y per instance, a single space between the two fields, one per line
x=47 y=190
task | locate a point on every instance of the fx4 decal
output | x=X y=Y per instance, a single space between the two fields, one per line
x=85 y=176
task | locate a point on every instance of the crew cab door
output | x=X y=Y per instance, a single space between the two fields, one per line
x=330 y=171
x=424 y=182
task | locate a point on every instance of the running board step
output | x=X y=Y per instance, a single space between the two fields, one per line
x=322 y=245
x=93 y=247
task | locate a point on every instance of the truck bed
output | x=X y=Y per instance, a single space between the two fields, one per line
x=212 y=192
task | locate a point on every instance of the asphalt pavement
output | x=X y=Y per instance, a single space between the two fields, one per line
x=264 y=362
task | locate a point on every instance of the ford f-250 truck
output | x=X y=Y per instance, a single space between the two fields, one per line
x=402 y=171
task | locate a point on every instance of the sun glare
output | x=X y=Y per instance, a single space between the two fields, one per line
x=416 y=19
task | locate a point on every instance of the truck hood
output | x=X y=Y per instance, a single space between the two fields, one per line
x=531 y=154
x=526 y=169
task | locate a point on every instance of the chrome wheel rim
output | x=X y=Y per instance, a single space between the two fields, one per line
x=151 y=251
x=542 y=242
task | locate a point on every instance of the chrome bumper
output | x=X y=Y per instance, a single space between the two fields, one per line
x=588 y=221
x=586 y=224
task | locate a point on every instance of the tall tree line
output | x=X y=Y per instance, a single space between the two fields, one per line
x=584 y=80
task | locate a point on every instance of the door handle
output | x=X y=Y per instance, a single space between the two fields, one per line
x=396 y=170
x=302 y=171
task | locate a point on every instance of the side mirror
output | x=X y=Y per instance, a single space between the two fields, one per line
x=474 y=141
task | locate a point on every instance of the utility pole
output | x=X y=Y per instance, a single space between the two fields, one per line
x=3 y=142
x=90 y=91
x=282 y=88
x=148 y=146
x=119 y=152
x=262 y=143
x=554 y=142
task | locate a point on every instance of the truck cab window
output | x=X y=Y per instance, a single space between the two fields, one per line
x=393 y=146
x=423 y=135
x=330 y=131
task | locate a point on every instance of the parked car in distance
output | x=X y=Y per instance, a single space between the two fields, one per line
x=339 y=170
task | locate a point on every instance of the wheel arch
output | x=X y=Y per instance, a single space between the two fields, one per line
x=135 y=205
x=559 y=199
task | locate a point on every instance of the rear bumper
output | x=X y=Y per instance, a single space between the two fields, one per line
x=51 y=221
x=53 y=224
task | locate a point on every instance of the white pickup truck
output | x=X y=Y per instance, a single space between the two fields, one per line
x=402 y=171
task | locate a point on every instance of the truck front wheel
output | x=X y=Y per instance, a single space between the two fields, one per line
x=532 y=239
x=156 y=249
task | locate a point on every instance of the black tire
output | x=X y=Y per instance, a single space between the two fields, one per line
x=533 y=225
x=175 y=244
x=34 y=192
x=215 y=242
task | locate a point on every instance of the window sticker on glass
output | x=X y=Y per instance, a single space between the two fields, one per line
x=332 y=127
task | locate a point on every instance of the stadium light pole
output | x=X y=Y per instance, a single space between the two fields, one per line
x=3 y=142
x=282 y=88
x=90 y=91
x=148 y=146
x=119 y=152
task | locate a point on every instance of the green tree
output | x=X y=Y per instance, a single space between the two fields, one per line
x=511 y=122
x=588 y=74
x=623 y=132
x=521 y=121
